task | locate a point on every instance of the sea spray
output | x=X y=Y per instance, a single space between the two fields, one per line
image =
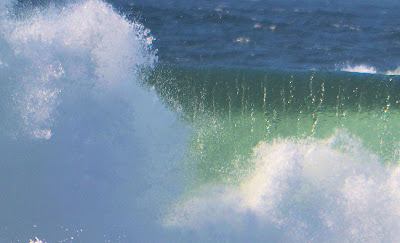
x=84 y=146
x=82 y=44
x=280 y=155
x=300 y=190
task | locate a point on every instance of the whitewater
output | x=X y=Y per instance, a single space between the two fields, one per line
x=84 y=148
x=100 y=140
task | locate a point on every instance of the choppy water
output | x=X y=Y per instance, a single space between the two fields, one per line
x=165 y=121
x=294 y=35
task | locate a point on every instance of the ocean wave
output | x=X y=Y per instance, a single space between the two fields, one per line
x=83 y=44
x=83 y=143
x=300 y=191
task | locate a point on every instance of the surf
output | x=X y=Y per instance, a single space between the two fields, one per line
x=79 y=133
x=298 y=190
x=285 y=155
x=102 y=141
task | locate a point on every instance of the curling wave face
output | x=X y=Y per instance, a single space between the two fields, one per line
x=286 y=156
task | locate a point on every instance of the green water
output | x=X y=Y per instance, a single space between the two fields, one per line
x=232 y=109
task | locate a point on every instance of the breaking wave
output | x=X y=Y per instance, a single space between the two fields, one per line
x=286 y=156
x=307 y=190
x=81 y=45
x=83 y=143
x=256 y=153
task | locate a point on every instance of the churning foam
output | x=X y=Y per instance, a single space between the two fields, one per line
x=306 y=190
x=85 y=44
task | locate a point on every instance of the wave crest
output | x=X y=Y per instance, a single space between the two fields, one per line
x=86 y=45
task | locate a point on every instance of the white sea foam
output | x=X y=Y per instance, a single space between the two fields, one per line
x=369 y=69
x=359 y=69
x=301 y=191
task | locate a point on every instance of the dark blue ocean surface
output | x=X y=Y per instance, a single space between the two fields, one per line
x=298 y=35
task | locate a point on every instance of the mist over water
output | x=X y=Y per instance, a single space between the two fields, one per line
x=86 y=152
x=112 y=132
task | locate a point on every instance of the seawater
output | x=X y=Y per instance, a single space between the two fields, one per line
x=165 y=121
x=286 y=156
x=83 y=146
